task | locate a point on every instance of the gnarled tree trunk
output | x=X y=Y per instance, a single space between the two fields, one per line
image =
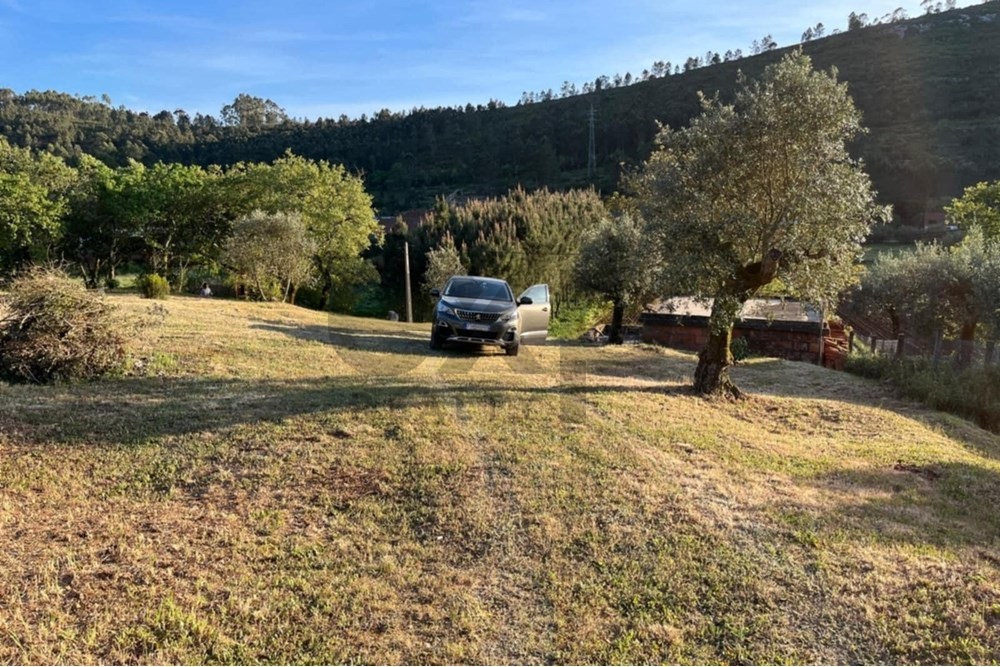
x=966 y=345
x=711 y=377
x=617 y=317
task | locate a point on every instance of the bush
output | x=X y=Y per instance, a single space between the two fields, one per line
x=54 y=329
x=740 y=349
x=153 y=286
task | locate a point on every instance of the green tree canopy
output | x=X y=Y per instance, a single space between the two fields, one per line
x=443 y=262
x=182 y=213
x=333 y=204
x=978 y=208
x=617 y=262
x=523 y=237
x=271 y=253
x=759 y=189
x=100 y=227
x=33 y=189
x=937 y=291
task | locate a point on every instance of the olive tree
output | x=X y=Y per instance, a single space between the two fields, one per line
x=616 y=262
x=758 y=190
x=270 y=252
x=443 y=262
x=978 y=208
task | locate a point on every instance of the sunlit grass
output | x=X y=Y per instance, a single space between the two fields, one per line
x=279 y=485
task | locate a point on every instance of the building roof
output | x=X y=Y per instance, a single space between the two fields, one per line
x=785 y=310
x=780 y=313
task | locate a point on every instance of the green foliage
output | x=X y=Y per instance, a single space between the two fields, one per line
x=153 y=286
x=617 y=262
x=978 y=208
x=54 y=329
x=32 y=202
x=574 y=320
x=443 y=262
x=351 y=286
x=740 y=349
x=333 y=204
x=252 y=113
x=183 y=214
x=970 y=392
x=271 y=253
x=522 y=237
x=935 y=289
x=102 y=226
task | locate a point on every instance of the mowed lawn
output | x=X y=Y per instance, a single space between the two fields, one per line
x=276 y=485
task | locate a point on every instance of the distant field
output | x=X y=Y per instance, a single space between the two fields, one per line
x=276 y=485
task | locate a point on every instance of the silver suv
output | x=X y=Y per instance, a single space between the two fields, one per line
x=482 y=311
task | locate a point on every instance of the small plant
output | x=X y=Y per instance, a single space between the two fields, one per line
x=54 y=329
x=153 y=286
x=740 y=349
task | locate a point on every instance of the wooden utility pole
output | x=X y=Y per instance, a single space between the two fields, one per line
x=406 y=269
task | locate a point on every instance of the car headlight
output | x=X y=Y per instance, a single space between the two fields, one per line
x=510 y=317
x=446 y=310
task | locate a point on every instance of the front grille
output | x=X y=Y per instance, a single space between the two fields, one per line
x=475 y=316
x=476 y=335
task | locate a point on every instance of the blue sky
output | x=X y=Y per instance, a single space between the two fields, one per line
x=330 y=58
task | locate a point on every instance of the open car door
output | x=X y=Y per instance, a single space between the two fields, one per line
x=534 y=315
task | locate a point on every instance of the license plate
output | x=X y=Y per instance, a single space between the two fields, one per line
x=477 y=327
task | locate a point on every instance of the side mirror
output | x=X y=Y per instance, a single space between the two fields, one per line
x=435 y=292
x=525 y=301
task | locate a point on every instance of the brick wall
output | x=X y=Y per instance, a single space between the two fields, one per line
x=771 y=341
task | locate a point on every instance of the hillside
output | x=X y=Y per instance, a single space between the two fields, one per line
x=926 y=86
x=284 y=486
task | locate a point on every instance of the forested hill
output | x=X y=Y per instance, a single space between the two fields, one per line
x=929 y=88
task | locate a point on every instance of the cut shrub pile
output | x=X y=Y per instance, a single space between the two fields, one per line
x=53 y=328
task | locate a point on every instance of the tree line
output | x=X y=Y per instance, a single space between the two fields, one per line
x=918 y=83
x=182 y=221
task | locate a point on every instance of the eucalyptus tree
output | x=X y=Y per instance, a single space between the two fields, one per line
x=757 y=190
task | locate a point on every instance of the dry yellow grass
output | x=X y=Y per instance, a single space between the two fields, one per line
x=280 y=485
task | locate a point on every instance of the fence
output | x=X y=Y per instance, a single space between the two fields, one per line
x=983 y=353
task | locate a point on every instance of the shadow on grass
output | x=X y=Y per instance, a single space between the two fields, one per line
x=368 y=351
x=801 y=380
x=134 y=411
x=940 y=504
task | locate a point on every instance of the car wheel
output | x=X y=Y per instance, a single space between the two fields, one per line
x=435 y=342
x=512 y=350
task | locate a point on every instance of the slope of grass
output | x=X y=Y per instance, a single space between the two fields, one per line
x=279 y=486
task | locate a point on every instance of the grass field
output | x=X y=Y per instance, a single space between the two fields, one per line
x=277 y=485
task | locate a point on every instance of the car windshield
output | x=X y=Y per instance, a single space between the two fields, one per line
x=470 y=288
